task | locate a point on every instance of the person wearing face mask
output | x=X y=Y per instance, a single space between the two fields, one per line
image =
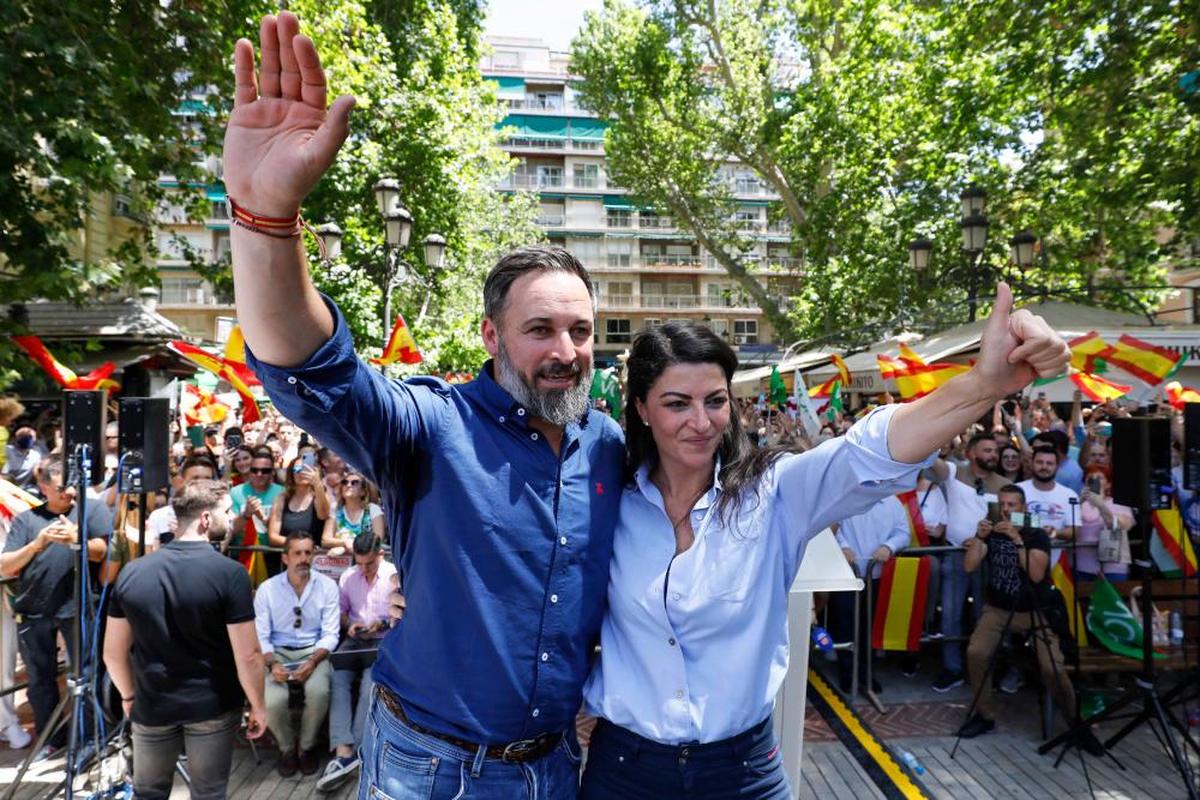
x=21 y=458
x=182 y=650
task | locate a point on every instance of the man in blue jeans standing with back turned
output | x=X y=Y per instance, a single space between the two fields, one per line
x=502 y=494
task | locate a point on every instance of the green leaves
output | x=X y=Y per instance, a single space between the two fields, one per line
x=867 y=119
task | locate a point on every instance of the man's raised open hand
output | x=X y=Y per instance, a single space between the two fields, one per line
x=280 y=138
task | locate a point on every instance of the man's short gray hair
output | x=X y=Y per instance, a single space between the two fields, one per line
x=537 y=257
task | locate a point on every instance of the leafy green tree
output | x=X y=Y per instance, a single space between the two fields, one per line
x=429 y=121
x=868 y=118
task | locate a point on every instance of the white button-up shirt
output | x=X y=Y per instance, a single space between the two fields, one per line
x=694 y=647
x=275 y=605
x=885 y=523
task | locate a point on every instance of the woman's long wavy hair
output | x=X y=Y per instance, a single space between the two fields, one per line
x=662 y=346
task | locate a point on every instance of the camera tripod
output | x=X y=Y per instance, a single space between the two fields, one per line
x=79 y=704
x=1154 y=707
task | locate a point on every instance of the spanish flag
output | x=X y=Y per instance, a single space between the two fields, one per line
x=1179 y=395
x=252 y=560
x=222 y=369
x=900 y=612
x=1172 y=547
x=235 y=357
x=918 y=381
x=201 y=407
x=910 y=357
x=63 y=375
x=14 y=500
x=918 y=530
x=842 y=378
x=400 y=346
x=1097 y=389
x=1065 y=582
x=1145 y=361
x=1086 y=349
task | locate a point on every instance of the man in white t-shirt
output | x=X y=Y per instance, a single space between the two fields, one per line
x=161 y=524
x=969 y=489
x=1047 y=498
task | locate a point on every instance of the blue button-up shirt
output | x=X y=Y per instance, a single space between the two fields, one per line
x=695 y=645
x=503 y=546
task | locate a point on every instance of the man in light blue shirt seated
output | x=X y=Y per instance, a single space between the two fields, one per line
x=873 y=536
x=296 y=614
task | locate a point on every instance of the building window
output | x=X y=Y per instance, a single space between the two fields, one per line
x=620 y=294
x=747 y=220
x=620 y=255
x=745 y=331
x=650 y=322
x=718 y=326
x=220 y=210
x=618 y=331
x=506 y=59
x=587 y=176
x=1196 y=306
x=186 y=292
x=619 y=218
x=549 y=177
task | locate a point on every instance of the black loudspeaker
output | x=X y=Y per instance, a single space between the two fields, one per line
x=144 y=427
x=1141 y=459
x=1191 y=447
x=83 y=424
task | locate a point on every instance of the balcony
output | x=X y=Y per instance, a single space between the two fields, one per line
x=619 y=221
x=551 y=220
x=586 y=183
x=532 y=104
x=667 y=260
x=532 y=182
x=650 y=222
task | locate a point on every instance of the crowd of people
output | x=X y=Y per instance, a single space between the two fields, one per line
x=265 y=488
x=551 y=560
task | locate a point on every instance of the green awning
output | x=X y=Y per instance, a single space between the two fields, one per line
x=754 y=203
x=214 y=192
x=536 y=127
x=587 y=129
x=617 y=201
x=509 y=87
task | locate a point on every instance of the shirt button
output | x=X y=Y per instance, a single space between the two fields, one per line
x=292 y=379
x=679 y=694
x=533 y=436
x=671 y=642
x=676 y=595
x=536 y=712
x=502 y=418
x=545 y=656
x=553 y=598
x=562 y=540
x=520 y=412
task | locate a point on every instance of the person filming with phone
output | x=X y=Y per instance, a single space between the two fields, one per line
x=302 y=509
x=1018 y=563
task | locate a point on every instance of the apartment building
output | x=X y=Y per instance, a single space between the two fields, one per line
x=646 y=268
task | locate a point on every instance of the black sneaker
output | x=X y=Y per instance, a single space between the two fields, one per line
x=1088 y=741
x=976 y=726
x=947 y=680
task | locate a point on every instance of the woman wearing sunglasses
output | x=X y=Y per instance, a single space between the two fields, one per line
x=355 y=514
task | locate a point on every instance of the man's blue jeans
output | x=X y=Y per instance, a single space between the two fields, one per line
x=37 y=639
x=347 y=718
x=956 y=583
x=399 y=763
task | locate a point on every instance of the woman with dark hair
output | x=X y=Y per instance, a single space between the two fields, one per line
x=1009 y=464
x=710 y=536
x=302 y=509
x=355 y=513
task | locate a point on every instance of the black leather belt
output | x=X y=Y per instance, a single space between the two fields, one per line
x=518 y=752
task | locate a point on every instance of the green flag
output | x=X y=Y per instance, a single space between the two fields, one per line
x=1112 y=623
x=778 y=393
x=606 y=387
x=835 y=401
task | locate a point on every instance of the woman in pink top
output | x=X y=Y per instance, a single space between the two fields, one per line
x=1098 y=512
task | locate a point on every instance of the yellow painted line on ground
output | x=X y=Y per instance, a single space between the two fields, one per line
x=878 y=753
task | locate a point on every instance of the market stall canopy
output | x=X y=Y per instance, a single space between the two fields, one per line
x=749 y=382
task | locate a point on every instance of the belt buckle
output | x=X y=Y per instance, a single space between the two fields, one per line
x=513 y=751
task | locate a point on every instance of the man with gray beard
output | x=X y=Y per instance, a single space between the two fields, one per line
x=502 y=494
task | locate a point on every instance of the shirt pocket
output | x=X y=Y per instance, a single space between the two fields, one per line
x=730 y=568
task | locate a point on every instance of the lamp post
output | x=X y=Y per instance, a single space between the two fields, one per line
x=397 y=231
x=974 y=227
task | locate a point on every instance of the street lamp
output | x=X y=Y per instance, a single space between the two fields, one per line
x=1023 y=245
x=918 y=254
x=387 y=195
x=331 y=240
x=397 y=226
x=974 y=201
x=435 y=250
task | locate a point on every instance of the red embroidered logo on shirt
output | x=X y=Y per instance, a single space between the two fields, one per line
x=599 y=488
